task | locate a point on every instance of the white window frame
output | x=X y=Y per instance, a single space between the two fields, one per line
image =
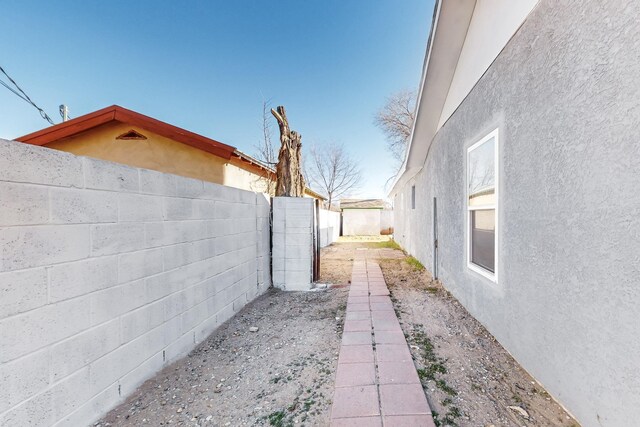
x=496 y=149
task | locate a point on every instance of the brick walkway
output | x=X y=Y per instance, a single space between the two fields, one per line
x=376 y=383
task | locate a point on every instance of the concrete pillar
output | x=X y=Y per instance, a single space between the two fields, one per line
x=292 y=243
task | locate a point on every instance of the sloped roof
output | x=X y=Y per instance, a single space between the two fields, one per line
x=448 y=32
x=115 y=113
x=362 y=204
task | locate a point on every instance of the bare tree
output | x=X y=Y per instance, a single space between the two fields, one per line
x=333 y=171
x=289 y=179
x=265 y=151
x=396 y=121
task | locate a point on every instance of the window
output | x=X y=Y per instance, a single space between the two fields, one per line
x=413 y=197
x=482 y=206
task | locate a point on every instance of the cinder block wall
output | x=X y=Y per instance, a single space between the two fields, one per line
x=292 y=242
x=329 y=227
x=108 y=273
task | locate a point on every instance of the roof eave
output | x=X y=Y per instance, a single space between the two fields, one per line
x=116 y=113
x=448 y=32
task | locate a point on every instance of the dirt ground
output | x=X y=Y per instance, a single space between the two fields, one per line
x=469 y=379
x=281 y=375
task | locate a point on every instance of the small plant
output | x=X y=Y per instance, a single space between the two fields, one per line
x=278 y=419
x=442 y=385
x=413 y=262
x=389 y=244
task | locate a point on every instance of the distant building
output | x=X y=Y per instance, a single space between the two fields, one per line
x=366 y=217
x=124 y=136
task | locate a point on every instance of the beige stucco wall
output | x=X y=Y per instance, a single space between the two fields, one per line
x=236 y=174
x=164 y=155
x=156 y=152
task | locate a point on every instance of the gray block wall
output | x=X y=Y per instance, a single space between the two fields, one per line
x=292 y=243
x=564 y=94
x=108 y=273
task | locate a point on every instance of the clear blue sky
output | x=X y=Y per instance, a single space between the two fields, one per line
x=206 y=65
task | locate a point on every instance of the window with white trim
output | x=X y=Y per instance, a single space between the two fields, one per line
x=482 y=206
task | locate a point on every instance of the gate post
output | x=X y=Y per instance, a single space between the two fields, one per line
x=293 y=243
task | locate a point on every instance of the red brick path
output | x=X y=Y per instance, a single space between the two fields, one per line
x=376 y=382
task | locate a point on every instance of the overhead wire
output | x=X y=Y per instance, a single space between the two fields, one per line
x=22 y=95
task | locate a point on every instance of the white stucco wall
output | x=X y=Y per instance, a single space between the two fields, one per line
x=564 y=94
x=108 y=273
x=361 y=222
x=492 y=25
x=386 y=221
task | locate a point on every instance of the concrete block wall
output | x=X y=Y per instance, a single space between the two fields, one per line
x=329 y=227
x=108 y=273
x=361 y=222
x=292 y=243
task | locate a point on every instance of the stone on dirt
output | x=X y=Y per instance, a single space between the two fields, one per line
x=519 y=410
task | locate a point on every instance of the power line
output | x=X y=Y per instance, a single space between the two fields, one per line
x=22 y=95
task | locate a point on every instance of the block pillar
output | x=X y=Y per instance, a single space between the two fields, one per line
x=292 y=253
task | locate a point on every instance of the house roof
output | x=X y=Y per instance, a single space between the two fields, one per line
x=362 y=204
x=115 y=113
x=448 y=32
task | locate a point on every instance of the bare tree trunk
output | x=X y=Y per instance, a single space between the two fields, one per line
x=289 y=179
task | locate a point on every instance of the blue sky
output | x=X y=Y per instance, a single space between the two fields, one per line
x=207 y=65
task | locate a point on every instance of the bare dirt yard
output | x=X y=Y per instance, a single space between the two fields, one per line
x=281 y=375
x=469 y=379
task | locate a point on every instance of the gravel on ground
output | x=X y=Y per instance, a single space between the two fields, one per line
x=283 y=373
x=468 y=377
x=280 y=375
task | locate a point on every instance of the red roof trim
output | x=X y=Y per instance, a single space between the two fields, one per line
x=119 y=114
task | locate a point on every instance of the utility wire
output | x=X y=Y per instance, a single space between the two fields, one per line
x=22 y=95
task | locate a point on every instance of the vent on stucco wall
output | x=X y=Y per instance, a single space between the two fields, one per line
x=132 y=134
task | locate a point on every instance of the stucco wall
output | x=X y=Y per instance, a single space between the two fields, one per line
x=108 y=273
x=386 y=221
x=156 y=152
x=564 y=94
x=240 y=175
x=361 y=222
x=492 y=24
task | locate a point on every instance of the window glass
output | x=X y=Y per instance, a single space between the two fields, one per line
x=483 y=238
x=481 y=178
x=482 y=205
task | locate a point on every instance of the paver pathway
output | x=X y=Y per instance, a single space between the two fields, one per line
x=376 y=382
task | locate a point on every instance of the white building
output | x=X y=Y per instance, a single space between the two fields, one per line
x=520 y=188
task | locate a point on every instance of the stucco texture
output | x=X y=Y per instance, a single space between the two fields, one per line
x=564 y=94
x=361 y=222
x=162 y=154
x=156 y=152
